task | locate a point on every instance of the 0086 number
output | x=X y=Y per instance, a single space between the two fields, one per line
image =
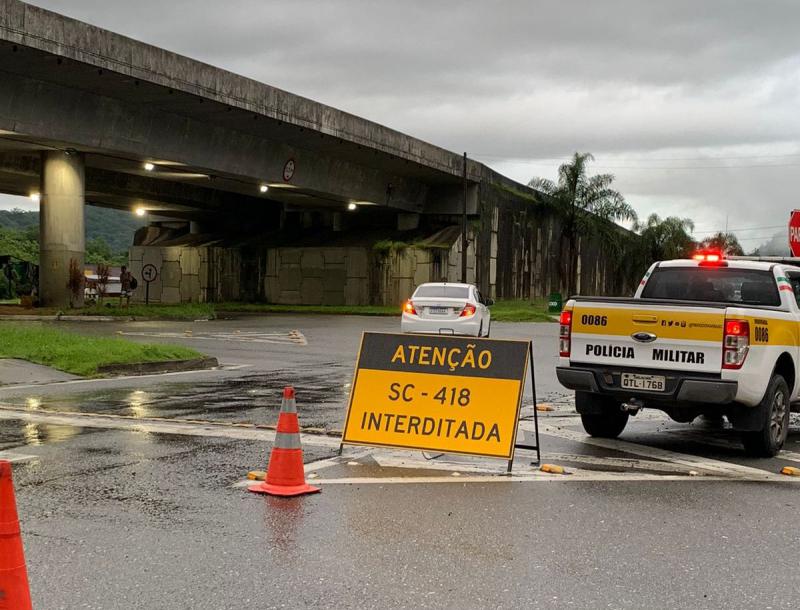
x=588 y=320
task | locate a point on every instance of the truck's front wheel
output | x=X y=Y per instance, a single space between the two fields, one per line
x=601 y=416
x=768 y=441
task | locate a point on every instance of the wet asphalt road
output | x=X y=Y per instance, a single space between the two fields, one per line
x=126 y=518
x=321 y=370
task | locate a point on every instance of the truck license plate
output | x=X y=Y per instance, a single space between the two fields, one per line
x=634 y=381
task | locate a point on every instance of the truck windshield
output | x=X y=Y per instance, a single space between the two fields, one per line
x=718 y=284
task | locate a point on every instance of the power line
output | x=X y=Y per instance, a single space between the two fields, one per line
x=742 y=229
x=764 y=237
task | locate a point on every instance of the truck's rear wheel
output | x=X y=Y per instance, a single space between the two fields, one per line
x=601 y=415
x=768 y=441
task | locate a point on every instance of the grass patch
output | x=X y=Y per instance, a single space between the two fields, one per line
x=351 y=310
x=182 y=311
x=80 y=354
x=521 y=310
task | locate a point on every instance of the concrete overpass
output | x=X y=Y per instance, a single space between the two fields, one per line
x=90 y=116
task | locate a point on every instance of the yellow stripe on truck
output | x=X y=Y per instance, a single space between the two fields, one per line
x=690 y=326
x=607 y=320
x=772 y=331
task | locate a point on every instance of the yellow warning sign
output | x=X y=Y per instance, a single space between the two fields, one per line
x=437 y=393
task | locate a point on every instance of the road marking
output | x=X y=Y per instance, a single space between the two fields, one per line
x=188 y=428
x=693 y=462
x=13 y=456
x=388 y=460
x=632 y=463
x=312 y=467
x=482 y=471
x=32 y=386
x=536 y=477
x=284 y=338
x=725 y=443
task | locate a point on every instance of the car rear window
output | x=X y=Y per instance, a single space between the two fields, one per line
x=719 y=284
x=447 y=292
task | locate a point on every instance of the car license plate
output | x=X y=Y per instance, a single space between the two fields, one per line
x=634 y=381
x=439 y=310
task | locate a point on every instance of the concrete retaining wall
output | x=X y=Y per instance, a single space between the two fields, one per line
x=355 y=275
x=521 y=253
x=187 y=274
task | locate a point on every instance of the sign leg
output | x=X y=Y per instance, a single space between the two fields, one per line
x=535 y=410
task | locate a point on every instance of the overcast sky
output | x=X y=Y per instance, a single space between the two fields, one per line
x=694 y=106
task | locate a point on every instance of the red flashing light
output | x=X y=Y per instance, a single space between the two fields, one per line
x=708 y=257
x=408 y=307
x=469 y=310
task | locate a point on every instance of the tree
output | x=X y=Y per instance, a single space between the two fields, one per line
x=665 y=239
x=585 y=205
x=99 y=252
x=19 y=245
x=724 y=242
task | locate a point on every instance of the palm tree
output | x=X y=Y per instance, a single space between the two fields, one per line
x=665 y=239
x=727 y=243
x=585 y=205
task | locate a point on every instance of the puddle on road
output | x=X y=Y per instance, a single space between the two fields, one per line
x=321 y=399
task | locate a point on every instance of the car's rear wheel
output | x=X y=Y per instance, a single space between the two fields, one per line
x=601 y=416
x=768 y=441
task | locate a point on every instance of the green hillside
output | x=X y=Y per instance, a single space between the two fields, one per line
x=114 y=227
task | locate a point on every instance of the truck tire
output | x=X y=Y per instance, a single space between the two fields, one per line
x=768 y=441
x=601 y=415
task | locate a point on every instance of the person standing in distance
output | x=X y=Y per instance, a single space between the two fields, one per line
x=128 y=283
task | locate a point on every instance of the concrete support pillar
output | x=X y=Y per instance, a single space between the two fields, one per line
x=61 y=227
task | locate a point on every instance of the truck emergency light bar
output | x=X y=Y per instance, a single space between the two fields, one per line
x=710 y=258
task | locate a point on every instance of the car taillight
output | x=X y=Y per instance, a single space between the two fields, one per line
x=735 y=343
x=469 y=310
x=408 y=307
x=564 y=334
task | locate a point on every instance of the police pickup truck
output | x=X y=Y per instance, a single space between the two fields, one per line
x=707 y=336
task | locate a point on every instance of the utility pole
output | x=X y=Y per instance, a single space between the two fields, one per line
x=464 y=228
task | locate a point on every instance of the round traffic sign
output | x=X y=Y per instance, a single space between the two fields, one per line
x=149 y=273
x=288 y=170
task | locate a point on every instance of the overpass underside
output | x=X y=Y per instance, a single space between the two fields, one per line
x=91 y=117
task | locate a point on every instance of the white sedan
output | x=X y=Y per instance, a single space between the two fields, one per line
x=447 y=309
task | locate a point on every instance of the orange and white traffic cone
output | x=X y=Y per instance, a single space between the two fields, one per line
x=285 y=473
x=14 y=590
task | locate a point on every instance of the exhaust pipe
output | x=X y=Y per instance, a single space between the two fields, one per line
x=632 y=406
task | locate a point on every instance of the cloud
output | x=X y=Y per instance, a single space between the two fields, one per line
x=777 y=245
